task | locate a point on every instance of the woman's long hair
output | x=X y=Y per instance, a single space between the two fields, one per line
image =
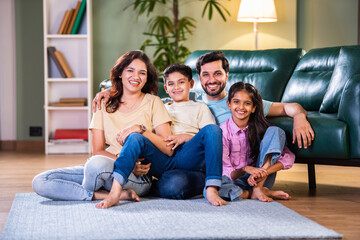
x=150 y=86
x=257 y=123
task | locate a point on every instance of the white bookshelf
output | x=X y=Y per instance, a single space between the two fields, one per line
x=77 y=50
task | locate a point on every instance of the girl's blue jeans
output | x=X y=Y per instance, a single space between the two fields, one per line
x=272 y=143
x=202 y=153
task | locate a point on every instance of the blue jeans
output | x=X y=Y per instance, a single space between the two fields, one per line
x=98 y=174
x=204 y=149
x=273 y=143
x=179 y=184
x=78 y=183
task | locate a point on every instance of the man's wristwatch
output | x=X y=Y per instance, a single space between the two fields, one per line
x=142 y=128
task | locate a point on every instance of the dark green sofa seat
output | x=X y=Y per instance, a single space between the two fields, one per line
x=324 y=81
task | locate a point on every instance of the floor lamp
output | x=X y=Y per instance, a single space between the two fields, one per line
x=257 y=11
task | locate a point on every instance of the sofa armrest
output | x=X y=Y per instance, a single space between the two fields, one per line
x=349 y=112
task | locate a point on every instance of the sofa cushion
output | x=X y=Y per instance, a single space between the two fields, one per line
x=349 y=112
x=311 y=77
x=331 y=136
x=346 y=66
x=267 y=70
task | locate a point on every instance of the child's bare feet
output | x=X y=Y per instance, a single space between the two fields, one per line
x=127 y=194
x=276 y=194
x=111 y=200
x=213 y=197
x=260 y=195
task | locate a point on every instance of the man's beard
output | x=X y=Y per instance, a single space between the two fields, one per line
x=222 y=87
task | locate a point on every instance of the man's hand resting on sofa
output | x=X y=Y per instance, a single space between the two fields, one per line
x=302 y=130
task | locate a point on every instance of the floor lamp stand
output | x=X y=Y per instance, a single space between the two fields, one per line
x=256 y=34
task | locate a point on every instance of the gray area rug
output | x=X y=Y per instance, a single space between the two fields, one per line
x=34 y=217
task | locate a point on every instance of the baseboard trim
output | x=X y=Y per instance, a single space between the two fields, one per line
x=23 y=145
x=9 y=145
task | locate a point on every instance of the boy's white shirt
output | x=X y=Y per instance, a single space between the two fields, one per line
x=189 y=117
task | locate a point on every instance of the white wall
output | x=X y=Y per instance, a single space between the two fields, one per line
x=7 y=71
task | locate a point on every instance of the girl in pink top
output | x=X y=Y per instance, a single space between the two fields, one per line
x=253 y=150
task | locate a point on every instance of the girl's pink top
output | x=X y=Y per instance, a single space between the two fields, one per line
x=236 y=150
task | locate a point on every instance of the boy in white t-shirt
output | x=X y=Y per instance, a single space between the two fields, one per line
x=187 y=116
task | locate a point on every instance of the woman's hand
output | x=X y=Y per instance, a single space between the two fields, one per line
x=123 y=134
x=177 y=140
x=141 y=169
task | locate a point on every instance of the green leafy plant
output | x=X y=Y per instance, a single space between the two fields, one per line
x=167 y=33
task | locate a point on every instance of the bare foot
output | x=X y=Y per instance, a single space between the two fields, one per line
x=100 y=195
x=129 y=194
x=245 y=194
x=109 y=201
x=276 y=194
x=213 y=197
x=260 y=195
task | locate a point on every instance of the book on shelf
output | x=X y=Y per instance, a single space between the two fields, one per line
x=79 y=18
x=71 y=134
x=73 y=100
x=68 y=22
x=64 y=64
x=73 y=104
x=51 y=51
x=63 y=22
x=73 y=17
x=67 y=141
x=70 y=102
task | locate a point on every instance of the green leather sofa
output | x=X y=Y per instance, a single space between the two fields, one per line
x=325 y=81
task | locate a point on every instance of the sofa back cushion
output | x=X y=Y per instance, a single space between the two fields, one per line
x=311 y=77
x=346 y=67
x=268 y=70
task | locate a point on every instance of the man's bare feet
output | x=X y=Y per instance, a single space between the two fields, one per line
x=213 y=197
x=276 y=194
x=260 y=195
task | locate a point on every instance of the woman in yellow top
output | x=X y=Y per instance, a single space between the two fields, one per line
x=131 y=108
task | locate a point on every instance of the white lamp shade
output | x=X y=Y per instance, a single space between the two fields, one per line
x=257 y=11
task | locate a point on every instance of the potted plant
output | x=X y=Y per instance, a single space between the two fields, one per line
x=167 y=33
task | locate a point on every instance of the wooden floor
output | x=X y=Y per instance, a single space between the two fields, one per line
x=335 y=204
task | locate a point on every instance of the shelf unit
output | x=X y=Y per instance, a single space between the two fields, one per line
x=77 y=50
